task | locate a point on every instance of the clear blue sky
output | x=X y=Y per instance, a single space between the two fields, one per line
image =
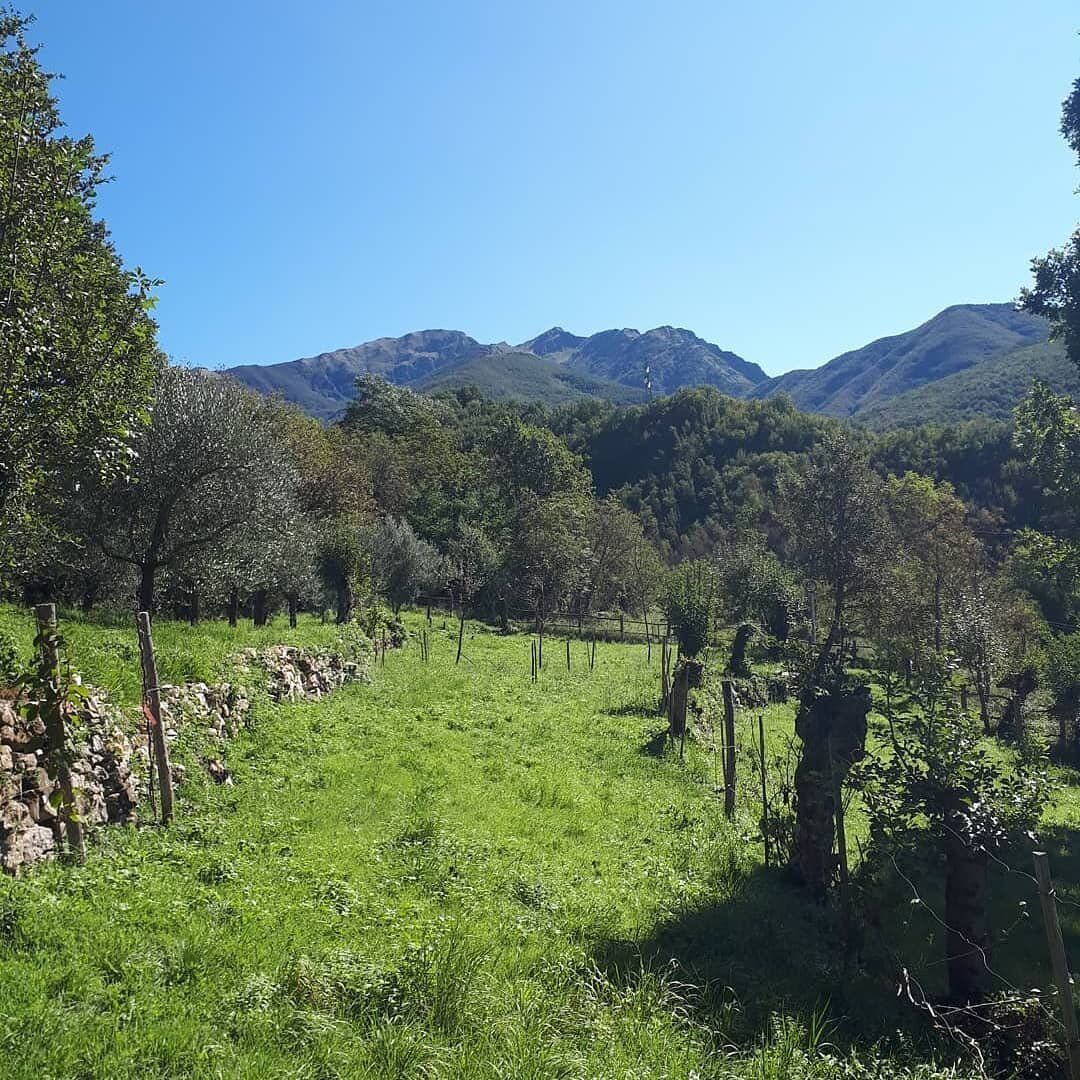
x=786 y=179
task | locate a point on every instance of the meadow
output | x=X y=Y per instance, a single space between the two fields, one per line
x=452 y=871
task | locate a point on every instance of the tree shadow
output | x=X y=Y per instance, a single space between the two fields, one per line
x=633 y=708
x=764 y=944
x=769 y=948
x=656 y=744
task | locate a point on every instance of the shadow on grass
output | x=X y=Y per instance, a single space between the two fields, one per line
x=774 y=951
x=764 y=944
x=656 y=744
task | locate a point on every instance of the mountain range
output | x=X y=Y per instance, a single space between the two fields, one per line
x=970 y=359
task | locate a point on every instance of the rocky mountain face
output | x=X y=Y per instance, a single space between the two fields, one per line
x=934 y=371
x=605 y=365
x=323 y=385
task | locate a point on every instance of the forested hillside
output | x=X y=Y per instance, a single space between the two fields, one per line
x=954 y=340
x=991 y=389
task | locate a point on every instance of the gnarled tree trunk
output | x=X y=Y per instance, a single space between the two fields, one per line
x=833 y=732
x=260 y=611
x=967 y=936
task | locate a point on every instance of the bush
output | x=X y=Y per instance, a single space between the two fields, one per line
x=691 y=605
x=9 y=659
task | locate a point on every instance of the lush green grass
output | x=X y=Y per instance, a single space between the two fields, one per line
x=450 y=872
x=106 y=653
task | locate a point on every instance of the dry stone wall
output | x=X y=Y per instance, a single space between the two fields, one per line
x=102 y=774
x=112 y=758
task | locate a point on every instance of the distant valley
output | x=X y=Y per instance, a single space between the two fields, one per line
x=968 y=360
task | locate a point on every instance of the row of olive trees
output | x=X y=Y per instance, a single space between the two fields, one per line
x=231 y=498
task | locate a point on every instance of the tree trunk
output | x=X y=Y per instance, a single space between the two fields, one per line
x=344 y=600
x=89 y=596
x=680 y=687
x=234 y=606
x=737 y=665
x=145 y=595
x=833 y=732
x=983 y=691
x=259 y=608
x=293 y=606
x=194 y=607
x=967 y=938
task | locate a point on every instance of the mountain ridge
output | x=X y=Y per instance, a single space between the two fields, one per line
x=958 y=337
x=424 y=359
x=919 y=368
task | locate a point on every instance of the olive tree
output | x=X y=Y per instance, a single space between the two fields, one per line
x=210 y=468
x=835 y=516
x=470 y=562
x=402 y=564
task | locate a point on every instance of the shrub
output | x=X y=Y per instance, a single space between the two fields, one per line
x=691 y=605
x=9 y=659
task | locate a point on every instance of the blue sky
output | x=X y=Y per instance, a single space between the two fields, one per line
x=786 y=179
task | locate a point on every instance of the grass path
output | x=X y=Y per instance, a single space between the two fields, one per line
x=450 y=872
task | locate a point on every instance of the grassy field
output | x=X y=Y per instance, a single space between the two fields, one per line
x=449 y=872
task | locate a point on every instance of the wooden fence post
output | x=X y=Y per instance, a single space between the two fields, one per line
x=152 y=702
x=729 y=749
x=1062 y=980
x=568 y=654
x=56 y=731
x=663 y=675
x=764 y=794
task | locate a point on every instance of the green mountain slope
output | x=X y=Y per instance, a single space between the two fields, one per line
x=955 y=339
x=611 y=365
x=523 y=376
x=991 y=389
x=323 y=385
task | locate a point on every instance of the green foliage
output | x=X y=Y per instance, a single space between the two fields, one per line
x=77 y=343
x=754 y=584
x=834 y=513
x=1060 y=674
x=690 y=602
x=940 y=775
x=1055 y=291
x=402 y=563
x=1048 y=435
x=10 y=666
x=1047 y=569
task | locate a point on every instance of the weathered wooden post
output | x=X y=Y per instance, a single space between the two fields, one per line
x=677 y=696
x=152 y=703
x=663 y=675
x=56 y=731
x=729 y=748
x=568 y=653
x=1058 y=963
x=764 y=793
